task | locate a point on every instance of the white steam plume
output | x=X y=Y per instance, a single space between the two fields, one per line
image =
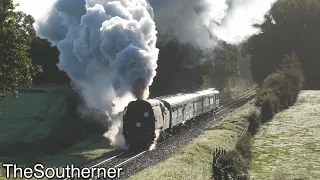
x=202 y=23
x=107 y=47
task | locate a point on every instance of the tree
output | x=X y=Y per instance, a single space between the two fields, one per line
x=25 y=23
x=289 y=26
x=226 y=64
x=15 y=37
x=46 y=56
x=178 y=69
x=184 y=68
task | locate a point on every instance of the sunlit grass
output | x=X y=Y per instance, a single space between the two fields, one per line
x=288 y=146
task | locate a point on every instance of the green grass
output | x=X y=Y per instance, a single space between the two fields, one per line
x=288 y=147
x=194 y=160
x=29 y=116
x=78 y=154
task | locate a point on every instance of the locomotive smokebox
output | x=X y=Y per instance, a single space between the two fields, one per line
x=139 y=125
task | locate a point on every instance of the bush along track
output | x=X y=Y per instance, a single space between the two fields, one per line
x=279 y=91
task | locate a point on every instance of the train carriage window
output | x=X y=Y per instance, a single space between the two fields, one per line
x=180 y=111
x=174 y=114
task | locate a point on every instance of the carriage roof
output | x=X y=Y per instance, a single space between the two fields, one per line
x=181 y=98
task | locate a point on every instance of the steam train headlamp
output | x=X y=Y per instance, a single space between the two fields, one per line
x=138 y=124
x=146 y=114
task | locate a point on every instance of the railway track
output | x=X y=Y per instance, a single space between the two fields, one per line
x=124 y=157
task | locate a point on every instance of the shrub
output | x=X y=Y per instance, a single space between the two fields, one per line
x=254 y=120
x=291 y=70
x=269 y=102
x=280 y=90
x=270 y=106
x=281 y=87
x=236 y=162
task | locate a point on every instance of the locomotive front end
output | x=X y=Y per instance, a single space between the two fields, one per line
x=139 y=125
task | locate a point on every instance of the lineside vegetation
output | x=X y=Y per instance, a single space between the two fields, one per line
x=279 y=91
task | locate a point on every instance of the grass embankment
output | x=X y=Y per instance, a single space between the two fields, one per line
x=288 y=147
x=35 y=128
x=194 y=160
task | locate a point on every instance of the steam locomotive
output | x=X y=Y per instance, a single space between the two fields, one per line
x=141 y=118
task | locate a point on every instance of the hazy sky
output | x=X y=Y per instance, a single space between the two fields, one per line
x=36 y=8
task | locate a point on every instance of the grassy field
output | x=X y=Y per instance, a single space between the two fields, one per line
x=288 y=147
x=194 y=160
x=30 y=118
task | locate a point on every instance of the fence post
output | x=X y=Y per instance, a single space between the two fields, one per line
x=216 y=164
x=218 y=170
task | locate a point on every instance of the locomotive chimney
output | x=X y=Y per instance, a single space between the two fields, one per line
x=139 y=89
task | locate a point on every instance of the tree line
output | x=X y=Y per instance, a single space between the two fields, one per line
x=290 y=26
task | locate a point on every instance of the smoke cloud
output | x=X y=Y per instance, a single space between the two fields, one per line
x=107 y=47
x=203 y=23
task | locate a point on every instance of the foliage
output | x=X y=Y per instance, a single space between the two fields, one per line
x=237 y=162
x=289 y=26
x=43 y=54
x=254 y=122
x=184 y=68
x=280 y=89
x=177 y=69
x=15 y=36
x=234 y=88
x=226 y=64
x=291 y=69
x=269 y=103
x=206 y=82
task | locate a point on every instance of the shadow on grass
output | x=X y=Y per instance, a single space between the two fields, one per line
x=67 y=144
x=72 y=140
